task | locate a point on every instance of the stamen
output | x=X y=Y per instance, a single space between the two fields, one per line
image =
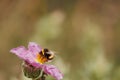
x=39 y=59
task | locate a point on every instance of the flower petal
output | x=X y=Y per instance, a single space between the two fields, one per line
x=37 y=65
x=19 y=51
x=29 y=57
x=23 y=53
x=34 y=48
x=53 y=71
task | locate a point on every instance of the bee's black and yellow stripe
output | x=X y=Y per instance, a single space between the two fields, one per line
x=43 y=56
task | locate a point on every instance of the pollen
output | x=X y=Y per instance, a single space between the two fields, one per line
x=41 y=59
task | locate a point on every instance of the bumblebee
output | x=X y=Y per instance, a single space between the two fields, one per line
x=45 y=55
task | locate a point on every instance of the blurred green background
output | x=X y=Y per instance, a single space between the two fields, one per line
x=85 y=34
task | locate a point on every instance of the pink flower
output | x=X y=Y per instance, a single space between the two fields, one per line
x=30 y=56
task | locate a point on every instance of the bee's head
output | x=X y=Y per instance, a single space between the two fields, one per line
x=48 y=54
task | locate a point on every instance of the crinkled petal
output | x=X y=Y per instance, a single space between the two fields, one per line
x=24 y=54
x=34 y=48
x=53 y=71
x=19 y=51
x=37 y=65
x=29 y=57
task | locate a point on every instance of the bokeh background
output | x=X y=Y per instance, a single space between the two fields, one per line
x=85 y=34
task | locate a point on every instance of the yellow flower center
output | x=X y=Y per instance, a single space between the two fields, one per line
x=41 y=59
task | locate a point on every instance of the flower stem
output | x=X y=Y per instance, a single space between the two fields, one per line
x=42 y=76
